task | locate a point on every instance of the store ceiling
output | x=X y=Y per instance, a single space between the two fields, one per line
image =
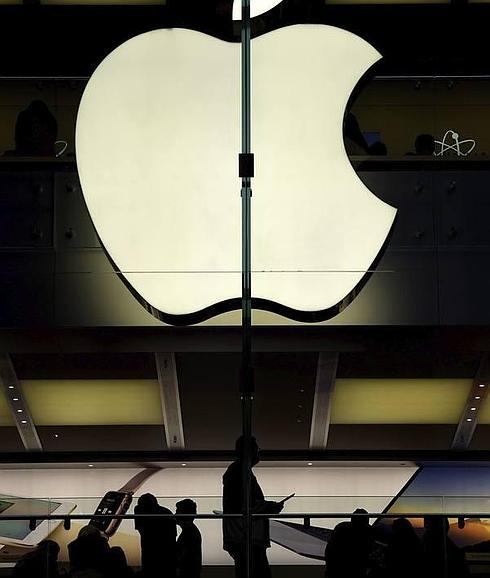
x=111 y=401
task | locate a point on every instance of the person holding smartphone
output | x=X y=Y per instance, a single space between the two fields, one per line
x=233 y=530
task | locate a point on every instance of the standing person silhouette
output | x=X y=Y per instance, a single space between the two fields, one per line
x=404 y=554
x=189 y=543
x=349 y=548
x=158 y=534
x=443 y=559
x=89 y=553
x=233 y=530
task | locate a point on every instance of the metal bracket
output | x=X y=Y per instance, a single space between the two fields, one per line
x=246 y=165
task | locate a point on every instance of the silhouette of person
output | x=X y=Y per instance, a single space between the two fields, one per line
x=158 y=534
x=89 y=553
x=425 y=145
x=189 y=543
x=118 y=565
x=347 y=554
x=36 y=130
x=40 y=563
x=442 y=557
x=355 y=143
x=338 y=550
x=378 y=148
x=404 y=554
x=233 y=530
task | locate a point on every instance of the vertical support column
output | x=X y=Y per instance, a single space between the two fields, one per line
x=326 y=374
x=247 y=378
x=170 y=399
x=474 y=402
x=18 y=405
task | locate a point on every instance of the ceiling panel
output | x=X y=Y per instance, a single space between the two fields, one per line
x=10 y=440
x=399 y=401
x=209 y=398
x=384 y=363
x=85 y=366
x=93 y=402
x=481 y=438
x=284 y=392
x=390 y=437
x=5 y=414
x=102 y=438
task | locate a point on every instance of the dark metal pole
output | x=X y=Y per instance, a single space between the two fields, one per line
x=247 y=378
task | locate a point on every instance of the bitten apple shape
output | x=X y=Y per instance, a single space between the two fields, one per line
x=157 y=139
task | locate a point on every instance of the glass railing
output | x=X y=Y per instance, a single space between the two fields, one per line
x=429 y=533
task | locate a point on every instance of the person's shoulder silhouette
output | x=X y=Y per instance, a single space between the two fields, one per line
x=189 y=543
x=40 y=563
x=158 y=533
x=118 y=565
x=89 y=551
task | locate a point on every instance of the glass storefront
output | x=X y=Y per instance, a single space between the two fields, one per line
x=124 y=351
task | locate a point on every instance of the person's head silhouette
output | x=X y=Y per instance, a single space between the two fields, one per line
x=36 y=130
x=49 y=548
x=403 y=531
x=89 y=531
x=186 y=506
x=147 y=501
x=254 y=449
x=360 y=520
x=424 y=145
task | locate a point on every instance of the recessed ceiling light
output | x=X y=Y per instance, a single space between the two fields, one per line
x=24 y=421
x=473 y=408
x=91 y=465
x=310 y=463
x=11 y=387
x=20 y=411
x=477 y=397
x=56 y=436
x=15 y=399
x=183 y=465
x=469 y=419
x=481 y=385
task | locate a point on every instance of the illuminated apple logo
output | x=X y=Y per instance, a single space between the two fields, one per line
x=157 y=140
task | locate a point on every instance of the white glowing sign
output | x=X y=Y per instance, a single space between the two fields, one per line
x=451 y=143
x=158 y=135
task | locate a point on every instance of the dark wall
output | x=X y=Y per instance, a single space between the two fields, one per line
x=72 y=40
x=435 y=270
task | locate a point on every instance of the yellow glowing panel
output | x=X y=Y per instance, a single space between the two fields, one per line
x=399 y=401
x=5 y=415
x=94 y=402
